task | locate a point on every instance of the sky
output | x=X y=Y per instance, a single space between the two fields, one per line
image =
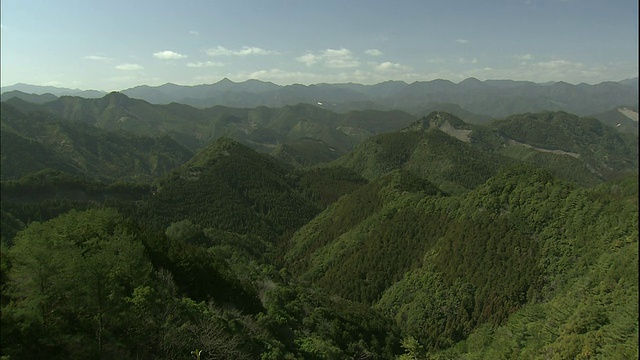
x=119 y=44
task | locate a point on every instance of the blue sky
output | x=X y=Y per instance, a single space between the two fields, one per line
x=117 y=44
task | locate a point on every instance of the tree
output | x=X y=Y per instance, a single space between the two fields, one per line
x=69 y=280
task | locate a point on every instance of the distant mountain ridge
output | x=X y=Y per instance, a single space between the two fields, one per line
x=57 y=91
x=493 y=98
x=261 y=128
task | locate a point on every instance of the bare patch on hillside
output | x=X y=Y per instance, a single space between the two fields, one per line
x=460 y=134
x=629 y=113
x=559 y=152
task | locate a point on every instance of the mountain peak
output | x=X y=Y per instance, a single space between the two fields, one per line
x=116 y=96
x=220 y=147
x=470 y=80
x=440 y=82
x=437 y=119
x=225 y=81
x=471 y=83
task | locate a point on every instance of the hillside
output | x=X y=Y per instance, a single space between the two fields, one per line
x=305 y=152
x=37 y=141
x=229 y=187
x=605 y=152
x=33 y=98
x=436 y=239
x=624 y=119
x=260 y=128
x=457 y=156
x=448 y=268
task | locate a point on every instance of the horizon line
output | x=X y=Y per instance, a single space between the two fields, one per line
x=62 y=87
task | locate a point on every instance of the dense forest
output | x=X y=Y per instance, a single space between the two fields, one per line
x=367 y=235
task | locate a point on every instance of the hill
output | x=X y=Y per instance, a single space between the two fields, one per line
x=33 y=98
x=261 y=128
x=305 y=152
x=456 y=156
x=435 y=239
x=451 y=268
x=623 y=119
x=230 y=187
x=37 y=141
x=605 y=152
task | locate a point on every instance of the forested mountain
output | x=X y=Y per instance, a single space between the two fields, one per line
x=36 y=141
x=230 y=187
x=443 y=266
x=261 y=128
x=364 y=235
x=456 y=156
x=34 y=98
x=624 y=119
x=605 y=152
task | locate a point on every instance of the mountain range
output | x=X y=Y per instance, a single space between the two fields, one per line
x=490 y=98
x=262 y=128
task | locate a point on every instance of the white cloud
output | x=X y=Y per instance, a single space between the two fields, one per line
x=97 y=58
x=193 y=32
x=524 y=57
x=331 y=58
x=245 y=51
x=338 y=59
x=389 y=66
x=168 y=55
x=129 y=67
x=309 y=59
x=462 y=41
x=558 y=64
x=373 y=52
x=280 y=76
x=201 y=64
x=467 y=61
x=553 y=69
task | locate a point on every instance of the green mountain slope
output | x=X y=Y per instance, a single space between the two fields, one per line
x=230 y=187
x=623 y=119
x=21 y=156
x=604 y=151
x=79 y=148
x=305 y=152
x=457 y=156
x=518 y=239
x=589 y=300
x=444 y=266
x=438 y=147
x=260 y=128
